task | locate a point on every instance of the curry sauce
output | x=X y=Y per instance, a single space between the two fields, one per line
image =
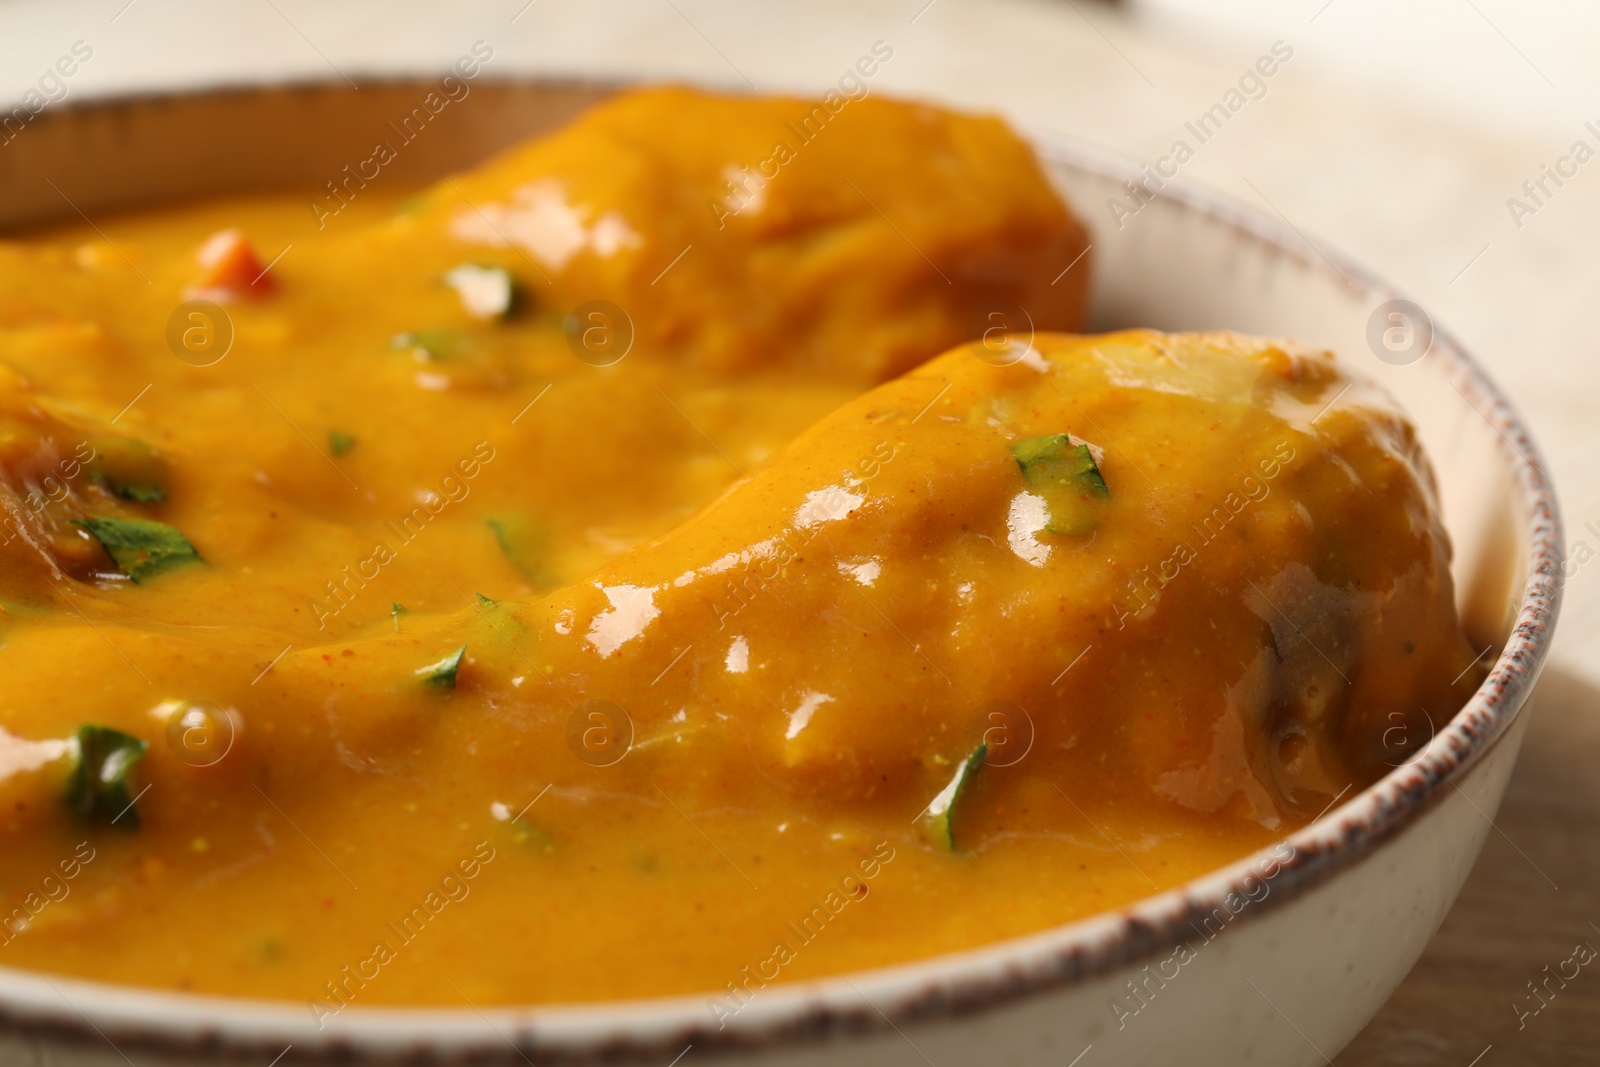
x=672 y=557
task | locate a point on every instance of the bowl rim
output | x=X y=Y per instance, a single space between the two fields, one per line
x=883 y=999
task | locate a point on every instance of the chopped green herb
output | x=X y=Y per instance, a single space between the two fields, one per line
x=484 y=601
x=98 y=787
x=429 y=346
x=1065 y=474
x=138 y=493
x=396 y=609
x=533 y=836
x=443 y=674
x=486 y=292
x=937 y=821
x=340 y=442
x=140 y=548
x=129 y=468
x=411 y=205
x=526 y=544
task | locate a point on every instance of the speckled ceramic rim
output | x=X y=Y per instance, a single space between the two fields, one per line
x=873 y=1001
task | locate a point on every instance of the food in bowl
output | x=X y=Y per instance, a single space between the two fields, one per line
x=583 y=582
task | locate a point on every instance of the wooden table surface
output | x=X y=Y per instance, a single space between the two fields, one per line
x=1533 y=898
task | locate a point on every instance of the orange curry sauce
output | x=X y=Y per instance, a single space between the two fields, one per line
x=587 y=579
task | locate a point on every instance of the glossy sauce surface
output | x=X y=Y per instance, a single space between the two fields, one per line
x=738 y=605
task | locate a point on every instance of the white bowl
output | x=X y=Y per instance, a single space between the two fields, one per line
x=1335 y=915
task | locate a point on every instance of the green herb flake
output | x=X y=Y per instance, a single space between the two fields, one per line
x=139 y=493
x=526 y=544
x=140 y=548
x=429 y=346
x=411 y=205
x=1065 y=474
x=483 y=601
x=396 y=609
x=340 y=442
x=128 y=468
x=442 y=675
x=98 y=787
x=937 y=821
x=534 y=837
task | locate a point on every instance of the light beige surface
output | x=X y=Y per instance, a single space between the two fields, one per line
x=1368 y=154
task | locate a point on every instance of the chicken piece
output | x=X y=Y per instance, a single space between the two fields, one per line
x=857 y=240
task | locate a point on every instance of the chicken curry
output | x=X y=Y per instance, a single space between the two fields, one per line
x=637 y=567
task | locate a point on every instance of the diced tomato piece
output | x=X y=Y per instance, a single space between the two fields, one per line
x=230 y=270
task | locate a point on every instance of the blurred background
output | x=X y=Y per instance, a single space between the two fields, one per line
x=1416 y=139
